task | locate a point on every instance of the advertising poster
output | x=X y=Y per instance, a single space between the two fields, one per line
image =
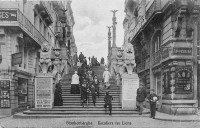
x=43 y=92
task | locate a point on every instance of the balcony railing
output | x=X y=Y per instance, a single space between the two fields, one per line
x=29 y=28
x=47 y=8
x=143 y=65
x=156 y=6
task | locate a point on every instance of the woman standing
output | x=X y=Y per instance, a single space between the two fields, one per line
x=75 y=84
x=58 y=101
x=106 y=77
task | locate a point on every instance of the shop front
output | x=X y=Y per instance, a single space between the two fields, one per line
x=16 y=91
x=178 y=88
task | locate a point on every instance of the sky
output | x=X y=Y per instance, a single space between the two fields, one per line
x=90 y=31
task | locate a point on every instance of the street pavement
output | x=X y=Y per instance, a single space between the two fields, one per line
x=162 y=121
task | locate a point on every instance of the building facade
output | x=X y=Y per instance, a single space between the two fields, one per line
x=165 y=34
x=24 y=27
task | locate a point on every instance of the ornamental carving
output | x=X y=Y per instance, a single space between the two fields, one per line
x=129 y=58
x=45 y=59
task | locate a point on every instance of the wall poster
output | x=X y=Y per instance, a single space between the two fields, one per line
x=44 y=92
x=5 y=93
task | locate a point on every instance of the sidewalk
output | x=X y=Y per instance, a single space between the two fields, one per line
x=176 y=118
x=146 y=114
x=4 y=116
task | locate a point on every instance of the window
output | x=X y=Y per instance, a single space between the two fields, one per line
x=157 y=42
x=22 y=91
x=25 y=57
x=41 y=27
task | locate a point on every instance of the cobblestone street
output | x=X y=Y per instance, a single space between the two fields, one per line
x=97 y=122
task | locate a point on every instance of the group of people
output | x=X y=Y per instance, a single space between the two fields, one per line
x=142 y=95
x=84 y=81
x=93 y=61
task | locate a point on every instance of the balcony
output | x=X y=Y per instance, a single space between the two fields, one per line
x=16 y=18
x=155 y=6
x=44 y=9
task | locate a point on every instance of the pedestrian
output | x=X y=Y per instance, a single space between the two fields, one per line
x=92 y=90
x=58 y=101
x=108 y=102
x=84 y=92
x=96 y=85
x=75 y=83
x=90 y=74
x=81 y=57
x=141 y=95
x=106 y=77
x=153 y=98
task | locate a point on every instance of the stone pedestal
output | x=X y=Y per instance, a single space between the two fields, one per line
x=130 y=84
x=44 y=92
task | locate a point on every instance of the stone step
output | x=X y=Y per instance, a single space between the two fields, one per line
x=90 y=101
x=78 y=95
x=80 y=112
x=97 y=99
x=80 y=109
x=34 y=116
x=97 y=104
x=100 y=94
x=79 y=106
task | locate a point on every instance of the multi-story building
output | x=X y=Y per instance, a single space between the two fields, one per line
x=165 y=37
x=24 y=27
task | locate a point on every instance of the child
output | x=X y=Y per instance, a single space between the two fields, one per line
x=108 y=102
x=153 y=98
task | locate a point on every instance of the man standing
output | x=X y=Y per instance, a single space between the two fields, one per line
x=153 y=98
x=81 y=57
x=141 y=95
x=108 y=102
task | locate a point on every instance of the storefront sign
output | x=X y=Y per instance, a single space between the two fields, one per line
x=17 y=58
x=44 y=92
x=8 y=15
x=184 y=79
x=5 y=93
x=182 y=51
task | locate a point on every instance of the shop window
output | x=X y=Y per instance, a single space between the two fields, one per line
x=183 y=79
x=165 y=82
x=4 y=93
x=22 y=91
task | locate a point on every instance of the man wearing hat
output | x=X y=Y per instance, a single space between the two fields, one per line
x=141 y=95
x=108 y=102
x=153 y=98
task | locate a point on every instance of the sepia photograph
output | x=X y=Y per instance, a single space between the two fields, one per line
x=99 y=63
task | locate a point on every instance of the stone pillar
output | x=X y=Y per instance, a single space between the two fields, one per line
x=130 y=84
x=114 y=28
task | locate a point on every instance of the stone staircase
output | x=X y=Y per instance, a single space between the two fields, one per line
x=72 y=104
